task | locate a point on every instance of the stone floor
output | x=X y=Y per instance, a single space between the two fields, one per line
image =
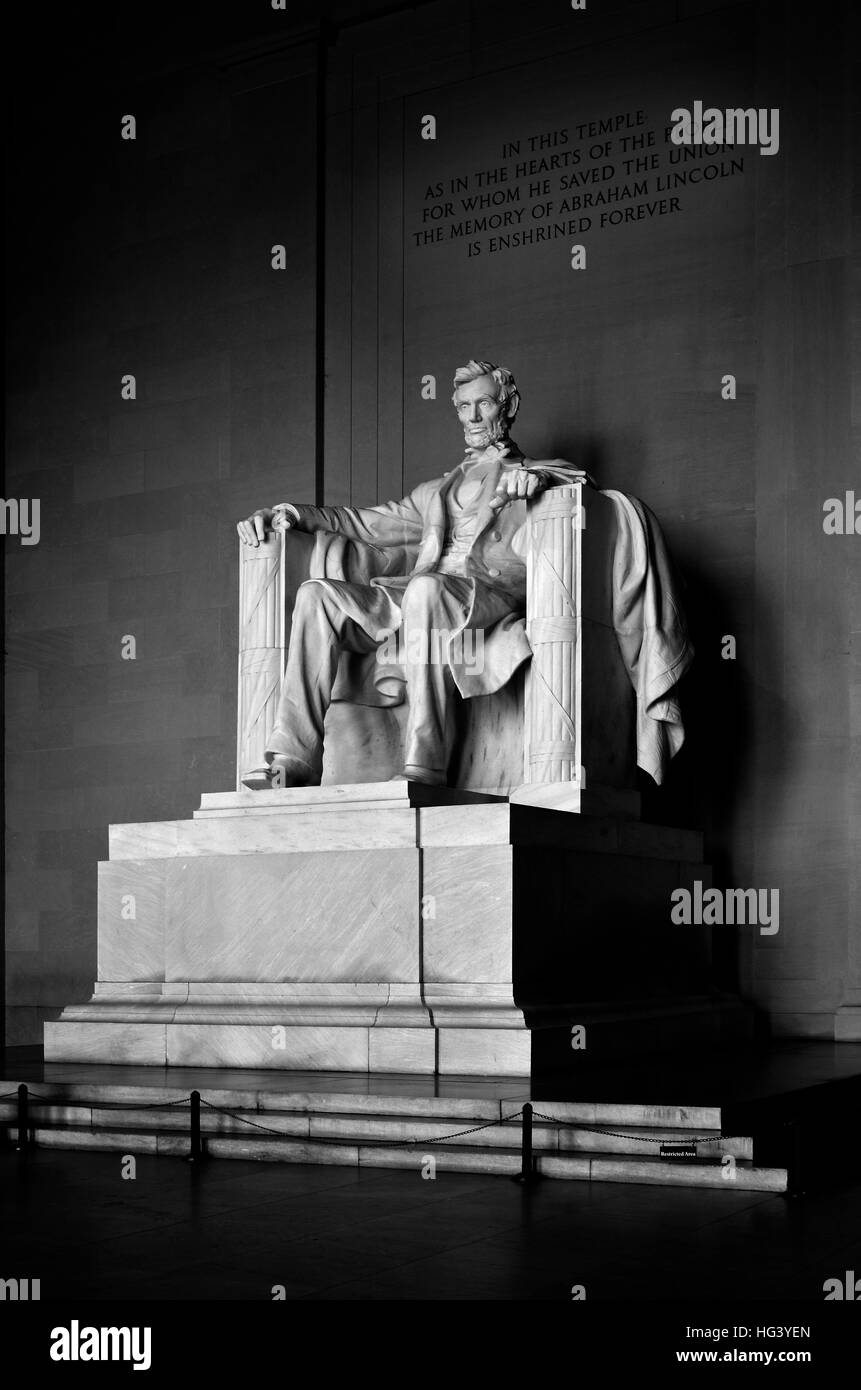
x=233 y=1230
x=742 y=1073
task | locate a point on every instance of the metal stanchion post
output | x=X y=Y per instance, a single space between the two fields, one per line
x=527 y=1162
x=23 y=1125
x=196 y=1152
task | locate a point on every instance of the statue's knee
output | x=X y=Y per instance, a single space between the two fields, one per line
x=421 y=595
x=311 y=593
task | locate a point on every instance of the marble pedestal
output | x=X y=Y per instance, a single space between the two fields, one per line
x=365 y=928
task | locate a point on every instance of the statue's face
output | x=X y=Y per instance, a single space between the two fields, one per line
x=480 y=412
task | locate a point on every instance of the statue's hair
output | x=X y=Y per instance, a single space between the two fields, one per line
x=506 y=386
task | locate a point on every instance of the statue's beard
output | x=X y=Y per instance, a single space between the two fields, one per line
x=492 y=432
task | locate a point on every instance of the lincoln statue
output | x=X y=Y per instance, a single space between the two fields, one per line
x=454 y=564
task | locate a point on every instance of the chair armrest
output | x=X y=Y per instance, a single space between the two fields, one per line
x=553 y=605
x=269 y=576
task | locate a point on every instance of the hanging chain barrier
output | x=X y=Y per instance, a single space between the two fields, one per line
x=526 y=1114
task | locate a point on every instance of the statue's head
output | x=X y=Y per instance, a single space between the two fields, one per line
x=486 y=400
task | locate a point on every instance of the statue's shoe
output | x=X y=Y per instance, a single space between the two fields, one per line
x=259 y=779
x=414 y=773
x=280 y=772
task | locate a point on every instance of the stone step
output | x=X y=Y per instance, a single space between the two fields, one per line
x=684 y=1118
x=277 y=827
x=383 y=1127
x=477 y=1159
x=459 y=826
x=334 y=796
x=345 y=828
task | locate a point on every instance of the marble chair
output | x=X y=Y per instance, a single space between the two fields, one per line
x=562 y=728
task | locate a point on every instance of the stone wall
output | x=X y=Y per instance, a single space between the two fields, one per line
x=152 y=258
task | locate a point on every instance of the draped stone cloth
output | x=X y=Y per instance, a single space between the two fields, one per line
x=366 y=557
x=651 y=631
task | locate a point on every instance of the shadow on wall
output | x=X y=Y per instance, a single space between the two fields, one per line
x=709 y=785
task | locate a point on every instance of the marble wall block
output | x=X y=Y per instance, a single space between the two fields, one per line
x=410 y=1050
x=468 y=928
x=594 y=928
x=485 y=1051
x=300 y=917
x=132 y=914
x=113 y=1043
x=305 y=1048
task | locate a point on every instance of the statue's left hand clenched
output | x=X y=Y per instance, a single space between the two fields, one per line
x=516 y=483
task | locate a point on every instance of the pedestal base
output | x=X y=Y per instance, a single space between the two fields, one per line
x=374 y=928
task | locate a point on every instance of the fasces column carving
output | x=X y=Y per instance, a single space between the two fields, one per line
x=553 y=751
x=262 y=641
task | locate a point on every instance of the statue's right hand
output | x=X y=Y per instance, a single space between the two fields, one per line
x=253 y=530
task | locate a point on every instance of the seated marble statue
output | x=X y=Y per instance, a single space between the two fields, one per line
x=453 y=567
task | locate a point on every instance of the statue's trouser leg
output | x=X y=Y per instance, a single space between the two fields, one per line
x=432 y=605
x=320 y=631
